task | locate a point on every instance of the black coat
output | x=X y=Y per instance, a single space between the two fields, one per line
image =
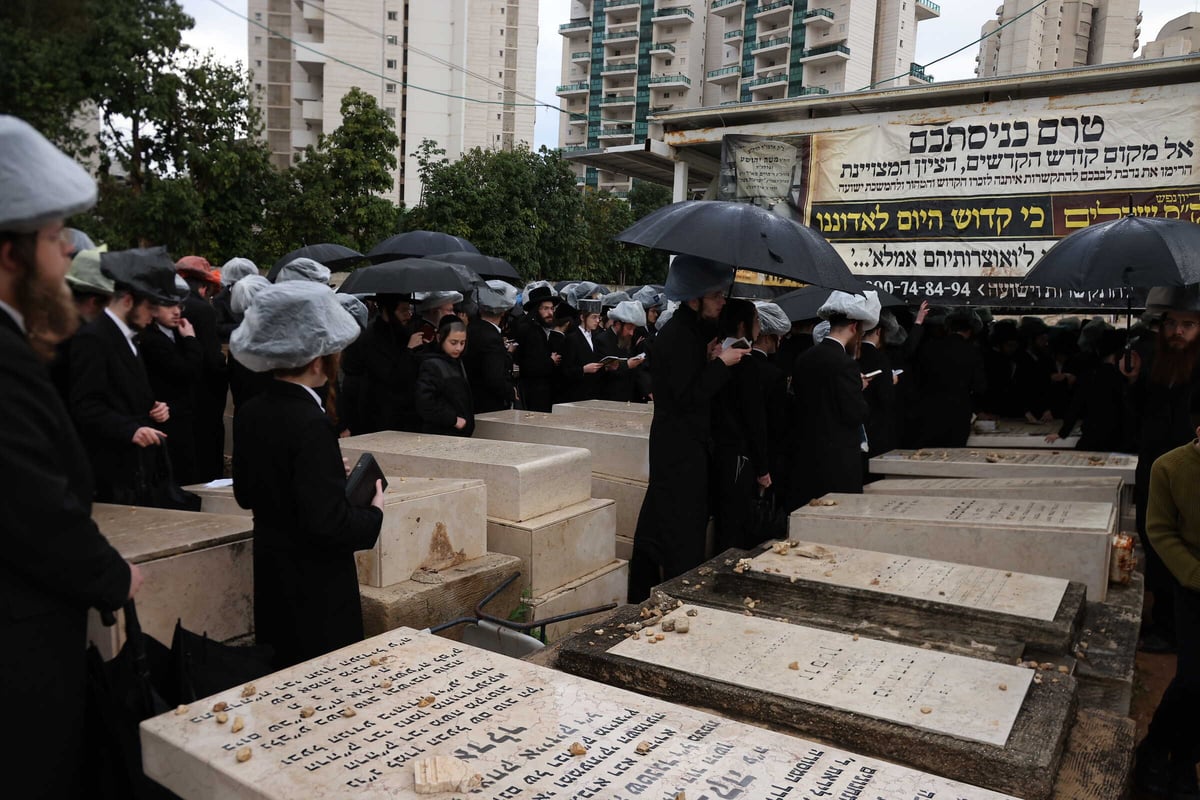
x=287 y=469
x=777 y=401
x=211 y=391
x=110 y=399
x=227 y=321
x=830 y=412
x=577 y=384
x=54 y=565
x=443 y=395
x=386 y=372
x=537 y=370
x=1101 y=404
x=951 y=376
x=174 y=368
x=881 y=400
x=674 y=515
x=1031 y=381
x=489 y=367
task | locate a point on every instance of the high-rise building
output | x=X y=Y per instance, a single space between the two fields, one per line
x=1030 y=37
x=1179 y=37
x=458 y=72
x=623 y=60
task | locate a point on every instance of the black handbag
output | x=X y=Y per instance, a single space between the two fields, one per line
x=766 y=521
x=200 y=667
x=155 y=485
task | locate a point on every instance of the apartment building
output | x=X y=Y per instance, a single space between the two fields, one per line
x=624 y=60
x=458 y=72
x=1027 y=37
x=1179 y=37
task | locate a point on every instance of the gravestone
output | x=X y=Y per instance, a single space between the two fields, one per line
x=1063 y=540
x=1081 y=490
x=587 y=406
x=608 y=585
x=628 y=495
x=197 y=568
x=986 y=723
x=974 y=610
x=1019 y=433
x=523 y=480
x=1008 y=463
x=619 y=442
x=357 y=722
x=558 y=547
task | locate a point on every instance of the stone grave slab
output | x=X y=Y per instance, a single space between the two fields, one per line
x=1009 y=463
x=356 y=722
x=217 y=498
x=1063 y=540
x=609 y=584
x=872 y=591
x=629 y=495
x=949 y=714
x=523 y=480
x=576 y=406
x=558 y=547
x=198 y=568
x=619 y=442
x=1107 y=649
x=1082 y=490
x=1019 y=433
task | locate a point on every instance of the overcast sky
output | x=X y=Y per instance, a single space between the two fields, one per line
x=959 y=24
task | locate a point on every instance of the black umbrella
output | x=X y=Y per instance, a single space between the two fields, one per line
x=418 y=244
x=486 y=267
x=746 y=236
x=410 y=275
x=803 y=303
x=1134 y=252
x=334 y=256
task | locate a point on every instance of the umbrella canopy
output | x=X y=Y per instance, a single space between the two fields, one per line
x=418 y=244
x=803 y=303
x=331 y=255
x=486 y=267
x=1132 y=251
x=746 y=236
x=409 y=275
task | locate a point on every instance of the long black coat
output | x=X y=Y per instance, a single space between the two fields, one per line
x=443 y=395
x=110 y=399
x=386 y=373
x=881 y=399
x=211 y=391
x=287 y=469
x=951 y=377
x=174 y=368
x=1101 y=403
x=489 y=367
x=54 y=565
x=577 y=384
x=830 y=413
x=674 y=515
x=538 y=372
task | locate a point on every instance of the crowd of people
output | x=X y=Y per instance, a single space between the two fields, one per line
x=116 y=392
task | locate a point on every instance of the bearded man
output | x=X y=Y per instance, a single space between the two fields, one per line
x=624 y=378
x=538 y=363
x=1164 y=394
x=55 y=563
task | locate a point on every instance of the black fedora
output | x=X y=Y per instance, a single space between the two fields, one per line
x=146 y=272
x=539 y=295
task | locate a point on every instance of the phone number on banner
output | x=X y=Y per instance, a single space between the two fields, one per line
x=997 y=291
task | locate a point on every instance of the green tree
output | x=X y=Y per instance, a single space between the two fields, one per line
x=650 y=266
x=517 y=204
x=601 y=259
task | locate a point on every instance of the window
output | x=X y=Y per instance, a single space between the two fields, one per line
x=390 y=88
x=391 y=15
x=497 y=116
x=500 y=53
x=667 y=61
x=390 y=111
x=258 y=62
x=501 y=31
x=258 y=15
x=391 y=39
x=258 y=40
x=500 y=74
x=391 y=63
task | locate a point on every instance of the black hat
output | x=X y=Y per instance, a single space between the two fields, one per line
x=147 y=272
x=590 y=306
x=539 y=295
x=565 y=311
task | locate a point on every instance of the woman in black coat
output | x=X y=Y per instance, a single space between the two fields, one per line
x=288 y=469
x=443 y=392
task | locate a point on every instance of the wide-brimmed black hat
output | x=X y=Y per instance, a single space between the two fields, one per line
x=565 y=310
x=590 y=306
x=539 y=295
x=146 y=272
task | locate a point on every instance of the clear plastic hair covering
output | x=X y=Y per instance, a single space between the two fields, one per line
x=666 y=315
x=771 y=319
x=892 y=333
x=630 y=311
x=435 y=299
x=575 y=292
x=356 y=307
x=289 y=324
x=304 y=269
x=820 y=331
x=38 y=182
x=862 y=307
x=237 y=268
x=612 y=299
x=649 y=297
x=529 y=287
x=244 y=292
x=690 y=277
x=497 y=297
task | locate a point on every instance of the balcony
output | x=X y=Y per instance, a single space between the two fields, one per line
x=658 y=110
x=809 y=90
x=582 y=55
x=611 y=68
x=575 y=148
x=832 y=52
x=766 y=81
x=727 y=8
x=617 y=132
x=664 y=81
x=819 y=18
x=734 y=36
x=773 y=9
x=918 y=75
x=724 y=75
x=618 y=100
x=927 y=10
x=662 y=49
x=576 y=27
x=674 y=15
x=568 y=89
x=619 y=36
x=769 y=46
x=620 y=5
x=578 y=119
x=312 y=110
x=312 y=12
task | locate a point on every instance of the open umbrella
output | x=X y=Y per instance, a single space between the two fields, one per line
x=418 y=244
x=803 y=303
x=334 y=256
x=486 y=267
x=746 y=236
x=410 y=275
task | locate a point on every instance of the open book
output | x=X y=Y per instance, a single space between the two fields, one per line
x=741 y=344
